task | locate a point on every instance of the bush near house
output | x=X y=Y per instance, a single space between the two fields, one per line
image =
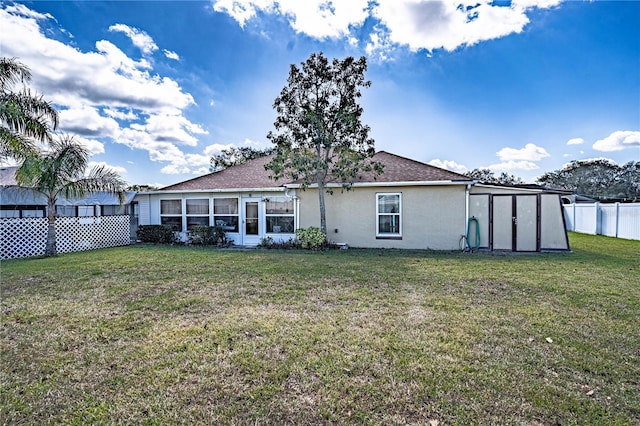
x=209 y=236
x=157 y=234
x=312 y=238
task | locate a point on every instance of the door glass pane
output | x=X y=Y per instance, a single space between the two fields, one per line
x=526 y=225
x=251 y=218
x=502 y=223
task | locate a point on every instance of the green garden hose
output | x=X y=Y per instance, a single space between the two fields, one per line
x=476 y=245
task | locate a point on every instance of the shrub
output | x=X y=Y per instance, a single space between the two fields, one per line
x=208 y=236
x=157 y=234
x=270 y=243
x=311 y=238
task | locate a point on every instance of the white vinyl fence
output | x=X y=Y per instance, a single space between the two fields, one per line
x=27 y=237
x=618 y=220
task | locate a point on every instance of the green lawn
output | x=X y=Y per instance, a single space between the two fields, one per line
x=163 y=335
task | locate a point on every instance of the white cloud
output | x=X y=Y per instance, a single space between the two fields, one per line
x=139 y=38
x=93 y=146
x=197 y=159
x=508 y=166
x=575 y=141
x=26 y=12
x=118 y=114
x=216 y=149
x=201 y=171
x=316 y=18
x=449 y=165
x=87 y=121
x=617 y=141
x=117 y=169
x=174 y=169
x=171 y=55
x=418 y=24
x=530 y=152
x=173 y=128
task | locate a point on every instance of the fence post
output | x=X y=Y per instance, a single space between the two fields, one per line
x=617 y=217
x=598 y=216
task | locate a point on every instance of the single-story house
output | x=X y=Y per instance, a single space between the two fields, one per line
x=411 y=205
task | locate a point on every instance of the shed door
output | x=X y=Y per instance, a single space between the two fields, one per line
x=526 y=223
x=503 y=222
x=515 y=222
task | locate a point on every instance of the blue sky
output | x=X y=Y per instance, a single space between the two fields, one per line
x=154 y=88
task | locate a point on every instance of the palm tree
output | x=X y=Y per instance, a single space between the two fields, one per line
x=60 y=170
x=25 y=118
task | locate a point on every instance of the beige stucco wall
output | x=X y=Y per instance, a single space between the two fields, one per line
x=433 y=217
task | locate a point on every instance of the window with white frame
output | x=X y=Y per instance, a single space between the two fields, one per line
x=225 y=213
x=197 y=212
x=279 y=215
x=389 y=215
x=171 y=214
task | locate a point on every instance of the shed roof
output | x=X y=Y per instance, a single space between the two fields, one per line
x=252 y=174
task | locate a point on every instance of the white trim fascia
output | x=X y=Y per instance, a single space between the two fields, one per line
x=224 y=190
x=388 y=184
x=511 y=188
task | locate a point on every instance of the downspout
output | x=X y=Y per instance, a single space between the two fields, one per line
x=467 y=201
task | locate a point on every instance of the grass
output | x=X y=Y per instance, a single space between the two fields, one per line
x=173 y=335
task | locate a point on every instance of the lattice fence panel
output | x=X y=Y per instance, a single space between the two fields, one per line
x=88 y=233
x=22 y=237
x=28 y=237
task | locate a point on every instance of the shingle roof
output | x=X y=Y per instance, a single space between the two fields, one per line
x=253 y=175
x=402 y=169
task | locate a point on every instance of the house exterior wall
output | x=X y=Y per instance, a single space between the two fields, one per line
x=432 y=217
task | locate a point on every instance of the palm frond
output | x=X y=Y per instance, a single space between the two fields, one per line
x=15 y=145
x=12 y=71
x=28 y=114
x=99 y=179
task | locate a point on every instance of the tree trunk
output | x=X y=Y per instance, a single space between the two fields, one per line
x=50 y=249
x=323 y=215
